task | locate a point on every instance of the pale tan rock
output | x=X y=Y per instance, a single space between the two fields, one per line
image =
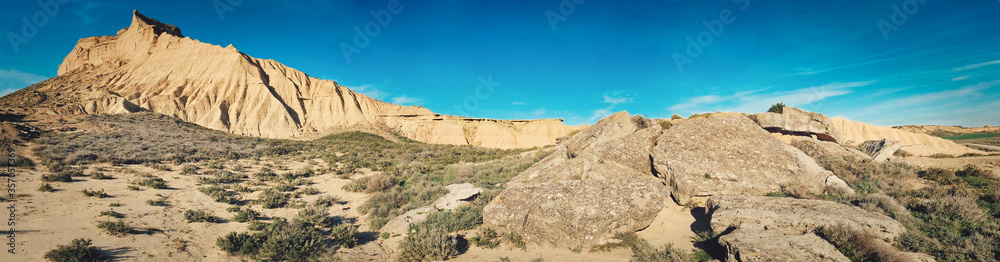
x=796 y=121
x=729 y=154
x=815 y=148
x=796 y=216
x=881 y=149
x=577 y=213
x=609 y=128
x=458 y=196
x=150 y=66
x=767 y=245
x=402 y=223
x=917 y=144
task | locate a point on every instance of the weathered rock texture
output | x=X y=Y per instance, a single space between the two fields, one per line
x=596 y=184
x=796 y=216
x=728 y=154
x=880 y=150
x=761 y=245
x=458 y=196
x=150 y=66
x=794 y=121
x=577 y=212
x=782 y=229
x=856 y=133
x=815 y=148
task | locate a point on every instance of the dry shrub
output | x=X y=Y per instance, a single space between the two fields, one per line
x=377 y=183
x=859 y=246
x=882 y=203
x=428 y=244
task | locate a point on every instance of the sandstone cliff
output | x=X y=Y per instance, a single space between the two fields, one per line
x=151 y=66
x=856 y=133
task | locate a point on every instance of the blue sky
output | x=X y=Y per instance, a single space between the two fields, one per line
x=886 y=62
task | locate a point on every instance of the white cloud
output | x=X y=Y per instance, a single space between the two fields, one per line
x=960 y=78
x=517 y=103
x=613 y=99
x=370 y=91
x=11 y=80
x=754 y=101
x=936 y=98
x=974 y=66
x=539 y=112
x=405 y=100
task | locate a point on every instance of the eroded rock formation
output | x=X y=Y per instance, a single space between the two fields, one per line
x=151 y=66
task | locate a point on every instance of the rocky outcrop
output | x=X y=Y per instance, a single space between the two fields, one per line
x=763 y=245
x=759 y=228
x=577 y=213
x=794 y=121
x=458 y=196
x=880 y=150
x=795 y=216
x=150 y=66
x=856 y=133
x=728 y=154
x=815 y=148
x=597 y=183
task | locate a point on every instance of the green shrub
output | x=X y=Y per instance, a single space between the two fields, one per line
x=463 y=218
x=221 y=177
x=675 y=117
x=857 y=245
x=642 y=251
x=702 y=115
x=328 y=201
x=154 y=182
x=219 y=194
x=777 y=108
x=117 y=228
x=369 y=184
x=427 y=244
x=665 y=124
x=486 y=238
x=79 y=249
x=46 y=188
x=292 y=243
x=284 y=187
x=115 y=204
x=99 y=175
x=516 y=240
x=112 y=213
x=245 y=215
x=189 y=170
x=91 y=193
x=344 y=235
x=942 y=155
x=60 y=177
x=239 y=244
x=273 y=199
x=193 y=216
x=156 y=202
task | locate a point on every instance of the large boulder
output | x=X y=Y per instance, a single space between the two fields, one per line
x=881 y=149
x=796 y=121
x=757 y=228
x=728 y=154
x=607 y=158
x=762 y=245
x=795 y=216
x=815 y=148
x=612 y=127
x=577 y=212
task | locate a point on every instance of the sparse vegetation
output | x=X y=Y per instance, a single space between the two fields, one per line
x=157 y=202
x=45 y=187
x=195 y=216
x=702 y=115
x=284 y=241
x=245 y=215
x=79 y=249
x=487 y=238
x=117 y=228
x=59 y=177
x=777 y=108
x=665 y=124
x=153 y=182
x=112 y=213
x=642 y=251
x=273 y=199
x=98 y=193
x=428 y=244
